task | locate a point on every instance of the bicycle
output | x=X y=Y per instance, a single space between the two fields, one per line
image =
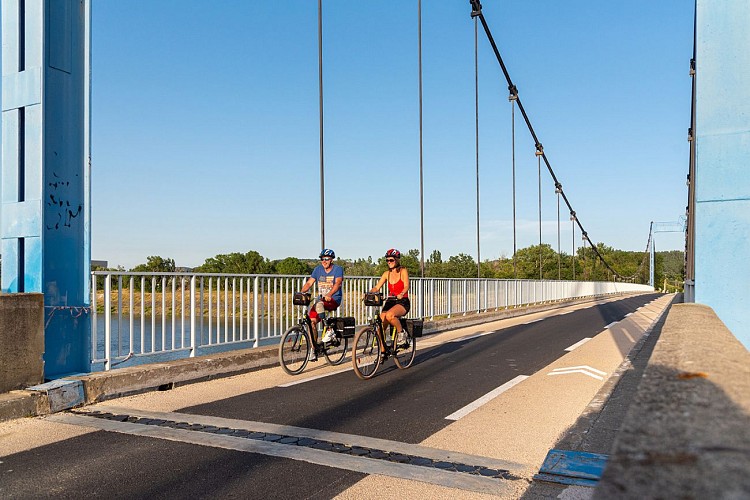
x=296 y=342
x=367 y=355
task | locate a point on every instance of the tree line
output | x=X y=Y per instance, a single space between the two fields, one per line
x=585 y=266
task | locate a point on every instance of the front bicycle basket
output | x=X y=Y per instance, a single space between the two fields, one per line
x=373 y=299
x=301 y=299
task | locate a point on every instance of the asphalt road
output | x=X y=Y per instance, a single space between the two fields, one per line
x=399 y=405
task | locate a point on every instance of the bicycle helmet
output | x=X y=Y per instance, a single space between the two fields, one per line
x=393 y=253
x=327 y=252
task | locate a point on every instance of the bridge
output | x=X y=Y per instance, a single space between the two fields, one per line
x=56 y=309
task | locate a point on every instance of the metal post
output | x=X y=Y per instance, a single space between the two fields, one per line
x=320 y=106
x=192 y=316
x=421 y=149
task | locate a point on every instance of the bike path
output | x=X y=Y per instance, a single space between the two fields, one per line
x=417 y=397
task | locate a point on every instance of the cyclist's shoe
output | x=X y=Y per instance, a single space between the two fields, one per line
x=312 y=356
x=383 y=357
x=401 y=339
x=330 y=336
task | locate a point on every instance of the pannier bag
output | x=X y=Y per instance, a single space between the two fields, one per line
x=345 y=326
x=413 y=326
x=301 y=299
x=373 y=299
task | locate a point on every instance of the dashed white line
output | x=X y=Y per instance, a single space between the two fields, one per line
x=532 y=321
x=611 y=325
x=486 y=398
x=461 y=339
x=578 y=344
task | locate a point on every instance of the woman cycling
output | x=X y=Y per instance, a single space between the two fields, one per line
x=397 y=304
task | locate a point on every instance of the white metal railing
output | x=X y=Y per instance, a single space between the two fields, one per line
x=145 y=317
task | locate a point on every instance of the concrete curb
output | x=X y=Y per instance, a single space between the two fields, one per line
x=687 y=432
x=101 y=386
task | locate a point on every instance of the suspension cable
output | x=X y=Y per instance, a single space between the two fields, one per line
x=421 y=147
x=476 y=12
x=539 y=152
x=476 y=117
x=512 y=98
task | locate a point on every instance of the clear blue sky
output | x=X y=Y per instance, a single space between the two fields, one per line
x=205 y=125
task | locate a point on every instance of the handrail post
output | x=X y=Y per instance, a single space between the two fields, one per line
x=107 y=322
x=255 y=312
x=192 y=316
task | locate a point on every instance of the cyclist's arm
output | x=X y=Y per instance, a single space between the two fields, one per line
x=308 y=284
x=380 y=282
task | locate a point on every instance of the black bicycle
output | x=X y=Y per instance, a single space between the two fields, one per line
x=371 y=349
x=296 y=342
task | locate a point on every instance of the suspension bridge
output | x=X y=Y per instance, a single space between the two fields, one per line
x=88 y=324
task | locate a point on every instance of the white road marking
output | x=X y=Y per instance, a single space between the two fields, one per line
x=611 y=325
x=486 y=398
x=578 y=344
x=461 y=339
x=628 y=314
x=532 y=321
x=585 y=370
x=309 y=379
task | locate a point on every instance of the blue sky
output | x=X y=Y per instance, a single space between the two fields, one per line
x=205 y=125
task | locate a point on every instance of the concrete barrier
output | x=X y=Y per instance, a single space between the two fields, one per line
x=687 y=432
x=21 y=340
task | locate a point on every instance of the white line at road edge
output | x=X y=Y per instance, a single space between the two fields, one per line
x=578 y=344
x=486 y=398
x=533 y=321
x=309 y=379
x=611 y=324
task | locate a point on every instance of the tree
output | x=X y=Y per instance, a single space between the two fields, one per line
x=155 y=264
x=409 y=260
x=236 y=263
x=361 y=267
x=291 y=265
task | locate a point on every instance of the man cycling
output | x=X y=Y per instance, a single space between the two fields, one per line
x=329 y=277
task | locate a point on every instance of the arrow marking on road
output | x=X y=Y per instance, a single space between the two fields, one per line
x=585 y=370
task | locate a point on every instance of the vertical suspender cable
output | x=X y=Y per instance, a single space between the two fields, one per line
x=476 y=130
x=558 y=190
x=421 y=149
x=512 y=99
x=539 y=175
x=320 y=106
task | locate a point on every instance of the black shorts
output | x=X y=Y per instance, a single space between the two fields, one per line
x=390 y=302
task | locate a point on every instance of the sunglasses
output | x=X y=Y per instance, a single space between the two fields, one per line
x=325 y=258
x=390 y=260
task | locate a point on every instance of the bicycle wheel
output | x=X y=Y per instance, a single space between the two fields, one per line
x=335 y=353
x=404 y=355
x=366 y=353
x=293 y=350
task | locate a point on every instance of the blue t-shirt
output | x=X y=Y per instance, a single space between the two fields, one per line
x=326 y=280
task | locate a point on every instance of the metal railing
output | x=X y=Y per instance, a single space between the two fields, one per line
x=148 y=317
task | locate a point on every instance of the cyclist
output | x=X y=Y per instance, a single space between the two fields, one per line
x=397 y=304
x=329 y=277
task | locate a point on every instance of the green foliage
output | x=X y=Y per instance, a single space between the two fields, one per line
x=669 y=265
x=360 y=267
x=155 y=264
x=291 y=265
x=237 y=263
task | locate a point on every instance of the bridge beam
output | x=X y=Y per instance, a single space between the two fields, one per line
x=45 y=229
x=722 y=184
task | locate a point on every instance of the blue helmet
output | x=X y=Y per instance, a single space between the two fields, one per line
x=327 y=252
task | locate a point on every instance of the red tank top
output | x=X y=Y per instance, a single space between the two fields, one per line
x=397 y=287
